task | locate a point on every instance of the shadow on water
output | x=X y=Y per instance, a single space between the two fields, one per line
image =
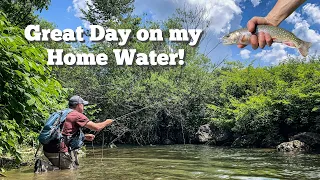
x=184 y=162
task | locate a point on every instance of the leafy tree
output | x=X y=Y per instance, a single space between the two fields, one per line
x=28 y=92
x=20 y=12
x=270 y=103
x=104 y=12
x=52 y=44
x=172 y=109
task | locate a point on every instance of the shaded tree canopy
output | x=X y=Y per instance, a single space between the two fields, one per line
x=104 y=12
x=20 y=12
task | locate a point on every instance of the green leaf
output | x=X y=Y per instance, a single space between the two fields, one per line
x=26 y=65
x=10 y=142
x=315 y=109
x=18 y=58
x=19 y=73
x=12 y=134
x=31 y=101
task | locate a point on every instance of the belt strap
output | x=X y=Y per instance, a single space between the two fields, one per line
x=36 y=154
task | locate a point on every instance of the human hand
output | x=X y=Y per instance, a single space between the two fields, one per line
x=89 y=137
x=109 y=121
x=263 y=38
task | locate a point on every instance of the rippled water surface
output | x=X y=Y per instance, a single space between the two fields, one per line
x=184 y=162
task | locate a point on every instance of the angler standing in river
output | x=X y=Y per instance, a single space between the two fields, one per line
x=280 y=12
x=62 y=152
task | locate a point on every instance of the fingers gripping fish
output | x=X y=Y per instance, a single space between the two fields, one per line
x=279 y=35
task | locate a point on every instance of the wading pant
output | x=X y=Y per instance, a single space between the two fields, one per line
x=65 y=160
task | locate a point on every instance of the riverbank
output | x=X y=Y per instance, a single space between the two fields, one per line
x=27 y=159
x=211 y=134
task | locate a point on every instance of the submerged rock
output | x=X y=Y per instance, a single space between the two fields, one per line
x=293 y=146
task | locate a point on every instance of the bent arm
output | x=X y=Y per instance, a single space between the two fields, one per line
x=282 y=10
x=98 y=126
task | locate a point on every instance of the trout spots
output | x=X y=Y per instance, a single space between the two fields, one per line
x=278 y=35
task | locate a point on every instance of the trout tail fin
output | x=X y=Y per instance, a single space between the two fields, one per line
x=304 y=48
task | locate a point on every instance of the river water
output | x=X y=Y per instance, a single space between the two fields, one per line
x=184 y=162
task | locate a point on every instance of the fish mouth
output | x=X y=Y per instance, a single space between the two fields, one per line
x=225 y=40
x=227 y=43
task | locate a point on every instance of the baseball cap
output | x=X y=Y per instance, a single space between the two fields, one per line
x=77 y=100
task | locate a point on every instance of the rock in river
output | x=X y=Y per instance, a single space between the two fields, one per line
x=204 y=134
x=293 y=146
x=211 y=134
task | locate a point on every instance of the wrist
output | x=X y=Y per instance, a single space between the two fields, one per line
x=272 y=20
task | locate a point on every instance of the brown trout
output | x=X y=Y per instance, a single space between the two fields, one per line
x=278 y=35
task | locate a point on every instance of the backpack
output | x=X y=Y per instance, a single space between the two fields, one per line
x=75 y=141
x=52 y=128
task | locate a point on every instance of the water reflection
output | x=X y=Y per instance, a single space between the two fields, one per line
x=185 y=162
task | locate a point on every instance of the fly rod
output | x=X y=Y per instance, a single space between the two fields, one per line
x=133 y=112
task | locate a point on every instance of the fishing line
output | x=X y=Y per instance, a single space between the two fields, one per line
x=102 y=145
x=116 y=120
x=93 y=149
x=214 y=47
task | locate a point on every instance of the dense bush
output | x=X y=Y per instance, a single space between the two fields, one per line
x=267 y=102
x=28 y=92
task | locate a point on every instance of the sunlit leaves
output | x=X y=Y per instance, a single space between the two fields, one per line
x=269 y=101
x=28 y=92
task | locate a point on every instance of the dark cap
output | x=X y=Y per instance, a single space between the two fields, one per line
x=74 y=100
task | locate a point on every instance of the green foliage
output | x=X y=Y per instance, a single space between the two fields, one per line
x=52 y=44
x=9 y=136
x=106 y=12
x=20 y=12
x=269 y=101
x=175 y=96
x=28 y=92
